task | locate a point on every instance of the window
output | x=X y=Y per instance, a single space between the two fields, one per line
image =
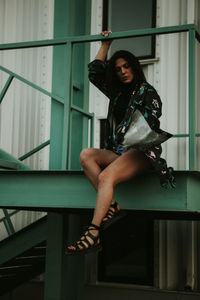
x=128 y=15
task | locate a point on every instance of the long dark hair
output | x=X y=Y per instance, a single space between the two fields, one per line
x=112 y=80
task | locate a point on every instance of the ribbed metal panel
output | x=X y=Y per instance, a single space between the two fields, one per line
x=24 y=112
x=178 y=241
x=198 y=103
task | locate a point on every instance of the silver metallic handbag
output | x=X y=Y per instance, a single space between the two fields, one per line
x=140 y=134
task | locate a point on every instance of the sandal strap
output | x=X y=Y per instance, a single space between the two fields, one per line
x=93 y=227
x=114 y=205
x=110 y=213
x=83 y=241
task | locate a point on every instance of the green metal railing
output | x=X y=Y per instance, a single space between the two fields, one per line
x=66 y=100
x=69 y=41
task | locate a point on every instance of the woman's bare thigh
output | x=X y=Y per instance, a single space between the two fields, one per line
x=126 y=166
x=102 y=157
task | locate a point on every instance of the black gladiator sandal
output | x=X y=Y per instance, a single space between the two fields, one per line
x=113 y=215
x=84 y=246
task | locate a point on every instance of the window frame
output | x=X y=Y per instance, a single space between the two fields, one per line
x=105 y=21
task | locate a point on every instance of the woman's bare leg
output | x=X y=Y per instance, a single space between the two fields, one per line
x=93 y=160
x=121 y=169
x=118 y=169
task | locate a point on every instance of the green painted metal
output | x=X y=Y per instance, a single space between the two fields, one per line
x=184 y=135
x=82 y=111
x=90 y=38
x=23 y=240
x=60 y=152
x=79 y=98
x=92 y=133
x=46 y=190
x=55 y=270
x=17 y=163
x=64 y=277
x=61 y=29
x=36 y=149
x=34 y=44
x=12 y=74
x=191 y=97
x=62 y=272
x=7 y=164
x=5 y=88
x=67 y=104
x=10 y=215
x=8 y=223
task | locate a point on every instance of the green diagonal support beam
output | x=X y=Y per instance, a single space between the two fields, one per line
x=8 y=223
x=33 y=151
x=38 y=88
x=5 y=88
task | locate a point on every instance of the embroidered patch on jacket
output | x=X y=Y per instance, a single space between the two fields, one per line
x=155 y=103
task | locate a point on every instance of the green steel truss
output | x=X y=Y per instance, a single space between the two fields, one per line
x=65 y=100
x=68 y=106
x=58 y=191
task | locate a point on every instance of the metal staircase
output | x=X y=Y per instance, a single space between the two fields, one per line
x=22 y=256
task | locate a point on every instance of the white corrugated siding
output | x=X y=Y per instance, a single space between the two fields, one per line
x=25 y=112
x=177 y=241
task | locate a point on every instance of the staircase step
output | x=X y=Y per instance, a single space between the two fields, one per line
x=28 y=261
x=23 y=261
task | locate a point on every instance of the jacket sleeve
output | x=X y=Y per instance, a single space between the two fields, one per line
x=97 y=73
x=152 y=108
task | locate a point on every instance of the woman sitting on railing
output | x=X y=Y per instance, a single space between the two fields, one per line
x=123 y=82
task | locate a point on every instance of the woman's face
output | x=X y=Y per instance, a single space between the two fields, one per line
x=123 y=70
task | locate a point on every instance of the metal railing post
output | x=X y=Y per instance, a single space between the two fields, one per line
x=67 y=104
x=191 y=97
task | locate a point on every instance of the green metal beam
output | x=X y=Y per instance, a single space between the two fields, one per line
x=12 y=161
x=7 y=164
x=46 y=190
x=36 y=149
x=67 y=104
x=82 y=111
x=34 y=44
x=10 y=214
x=191 y=97
x=23 y=240
x=5 y=88
x=55 y=270
x=8 y=223
x=38 y=88
x=61 y=269
x=90 y=38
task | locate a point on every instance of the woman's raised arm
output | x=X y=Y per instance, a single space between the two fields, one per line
x=105 y=46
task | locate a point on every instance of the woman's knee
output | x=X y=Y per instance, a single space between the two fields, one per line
x=105 y=178
x=86 y=155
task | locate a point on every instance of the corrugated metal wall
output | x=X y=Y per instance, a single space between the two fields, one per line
x=25 y=112
x=177 y=242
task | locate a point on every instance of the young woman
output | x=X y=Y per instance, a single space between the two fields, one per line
x=123 y=82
